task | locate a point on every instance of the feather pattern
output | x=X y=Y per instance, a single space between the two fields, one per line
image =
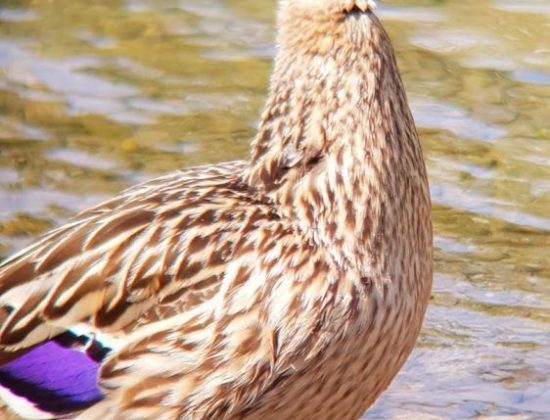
x=292 y=285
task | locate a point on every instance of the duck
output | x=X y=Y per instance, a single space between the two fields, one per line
x=290 y=285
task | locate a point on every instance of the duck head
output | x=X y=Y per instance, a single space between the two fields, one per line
x=316 y=24
x=331 y=6
x=337 y=140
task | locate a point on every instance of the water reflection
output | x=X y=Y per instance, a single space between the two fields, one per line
x=95 y=96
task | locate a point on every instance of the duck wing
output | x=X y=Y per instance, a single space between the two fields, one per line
x=160 y=242
x=77 y=295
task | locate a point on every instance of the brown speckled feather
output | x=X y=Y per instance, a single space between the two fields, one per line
x=290 y=286
x=158 y=247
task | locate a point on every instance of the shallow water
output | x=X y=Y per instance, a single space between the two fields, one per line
x=95 y=96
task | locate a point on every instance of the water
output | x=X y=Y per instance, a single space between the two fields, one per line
x=95 y=96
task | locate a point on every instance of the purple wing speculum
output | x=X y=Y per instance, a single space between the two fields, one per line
x=56 y=377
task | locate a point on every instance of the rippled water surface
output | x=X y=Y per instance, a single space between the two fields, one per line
x=98 y=95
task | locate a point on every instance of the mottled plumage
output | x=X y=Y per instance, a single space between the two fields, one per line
x=292 y=285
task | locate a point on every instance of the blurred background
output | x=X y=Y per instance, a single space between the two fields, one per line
x=98 y=95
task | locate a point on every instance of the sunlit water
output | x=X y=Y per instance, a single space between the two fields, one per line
x=98 y=95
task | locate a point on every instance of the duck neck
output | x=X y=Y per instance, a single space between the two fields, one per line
x=337 y=151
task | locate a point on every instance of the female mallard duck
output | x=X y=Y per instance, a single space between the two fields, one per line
x=291 y=286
